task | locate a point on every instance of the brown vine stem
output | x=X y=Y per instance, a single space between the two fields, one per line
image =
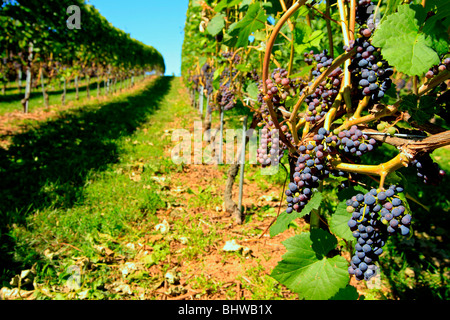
x=325 y=15
x=412 y=147
x=352 y=19
x=273 y=36
x=344 y=26
x=235 y=53
x=330 y=35
x=441 y=77
x=409 y=150
x=266 y=62
x=428 y=144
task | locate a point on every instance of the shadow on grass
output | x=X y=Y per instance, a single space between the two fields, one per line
x=47 y=167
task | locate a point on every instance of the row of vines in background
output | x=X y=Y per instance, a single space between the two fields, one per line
x=67 y=40
x=358 y=92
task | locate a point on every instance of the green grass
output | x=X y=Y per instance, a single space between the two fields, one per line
x=68 y=180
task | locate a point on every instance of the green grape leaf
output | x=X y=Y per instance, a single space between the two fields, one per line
x=260 y=35
x=441 y=10
x=435 y=30
x=216 y=24
x=306 y=269
x=226 y=4
x=202 y=60
x=403 y=44
x=244 y=5
x=421 y=110
x=338 y=222
x=394 y=178
x=243 y=67
x=347 y=293
x=254 y=19
x=306 y=38
x=252 y=90
x=285 y=218
x=391 y=7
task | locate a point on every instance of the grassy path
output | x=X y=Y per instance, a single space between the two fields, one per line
x=94 y=208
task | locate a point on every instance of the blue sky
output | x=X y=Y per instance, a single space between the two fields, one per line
x=158 y=23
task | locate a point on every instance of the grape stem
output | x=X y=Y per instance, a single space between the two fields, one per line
x=343 y=17
x=389 y=110
x=441 y=77
x=283 y=5
x=362 y=104
x=382 y=170
x=332 y=112
x=266 y=61
x=352 y=19
x=325 y=15
x=330 y=35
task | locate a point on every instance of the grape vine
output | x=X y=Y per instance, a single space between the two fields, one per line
x=330 y=94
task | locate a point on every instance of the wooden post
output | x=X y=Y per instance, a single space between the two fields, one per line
x=241 y=177
x=200 y=101
x=221 y=136
x=26 y=99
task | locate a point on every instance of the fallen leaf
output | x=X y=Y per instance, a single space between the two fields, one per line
x=231 y=246
x=163 y=227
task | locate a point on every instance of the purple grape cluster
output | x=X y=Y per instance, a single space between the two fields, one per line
x=310 y=169
x=365 y=18
x=369 y=70
x=253 y=75
x=375 y=215
x=226 y=95
x=323 y=97
x=428 y=170
x=195 y=79
x=312 y=165
x=279 y=87
x=271 y=148
x=442 y=66
x=353 y=141
x=229 y=54
x=207 y=73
